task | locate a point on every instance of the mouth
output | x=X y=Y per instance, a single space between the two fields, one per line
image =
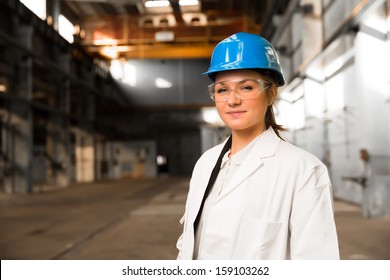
x=235 y=113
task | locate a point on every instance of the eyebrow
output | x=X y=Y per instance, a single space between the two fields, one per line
x=240 y=82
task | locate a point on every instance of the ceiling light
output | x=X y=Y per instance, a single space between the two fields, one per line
x=3 y=88
x=164 y=36
x=162 y=83
x=157 y=3
x=188 y=2
x=109 y=52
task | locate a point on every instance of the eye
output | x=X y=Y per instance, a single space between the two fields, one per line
x=246 y=88
x=222 y=90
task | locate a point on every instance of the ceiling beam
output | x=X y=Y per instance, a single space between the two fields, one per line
x=162 y=51
x=176 y=10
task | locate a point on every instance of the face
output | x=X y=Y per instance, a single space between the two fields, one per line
x=243 y=115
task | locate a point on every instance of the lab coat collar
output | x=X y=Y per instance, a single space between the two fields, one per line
x=264 y=147
x=266 y=144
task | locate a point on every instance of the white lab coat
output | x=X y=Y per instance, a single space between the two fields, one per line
x=279 y=205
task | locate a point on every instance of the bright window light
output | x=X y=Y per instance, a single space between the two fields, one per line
x=334 y=66
x=130 y=72
x=161 y=160
x=124 y=71
x=335 y=93
x=116 y=69
x=211 y=116
x=314 y=98
x=315 y=73
x=162 y=83
x=291 y=115
x=378 y=60
x=102 y=40
x=377 y=21
x=3 y=88
x=38 y=7
x=156 y=4
x=188 y=2
x=109 y=52
x=66 y=28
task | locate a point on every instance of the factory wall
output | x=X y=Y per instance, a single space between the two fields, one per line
x=336 y=57
x=159 y=82
x=130 y=159
x=166 y=99
x=64 y=119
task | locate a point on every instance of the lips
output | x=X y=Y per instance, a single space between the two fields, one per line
x=235 y=113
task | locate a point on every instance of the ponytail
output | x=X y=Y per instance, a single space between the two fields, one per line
x=271 y=122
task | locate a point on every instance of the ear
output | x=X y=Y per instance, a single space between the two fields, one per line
x=272 y=93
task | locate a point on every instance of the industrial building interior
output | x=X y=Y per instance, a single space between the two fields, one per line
x=104 y=112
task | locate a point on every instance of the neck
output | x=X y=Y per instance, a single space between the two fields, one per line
x=242 y=138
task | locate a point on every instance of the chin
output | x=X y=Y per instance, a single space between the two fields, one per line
x=237 y=127
x=244 y=127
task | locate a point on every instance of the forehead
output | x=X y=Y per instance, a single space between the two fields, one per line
x=237 y=74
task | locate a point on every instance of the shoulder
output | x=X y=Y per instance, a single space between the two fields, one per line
x=295 y=153
x=210 y=156
x=302 y=162
x=283 y=151
x=204 y=167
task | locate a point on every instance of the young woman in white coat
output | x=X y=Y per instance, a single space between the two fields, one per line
x=255 y=196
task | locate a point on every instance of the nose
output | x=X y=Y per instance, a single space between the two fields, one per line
x=234 y=98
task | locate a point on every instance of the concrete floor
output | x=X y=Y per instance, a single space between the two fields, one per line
x=136 y=219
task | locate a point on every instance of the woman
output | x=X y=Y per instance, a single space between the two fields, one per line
x=255 y=196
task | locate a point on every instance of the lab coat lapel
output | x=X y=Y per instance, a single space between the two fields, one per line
x=265 y=147
x=202 y=182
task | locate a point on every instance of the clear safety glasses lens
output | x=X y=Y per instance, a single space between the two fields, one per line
x=244 y=89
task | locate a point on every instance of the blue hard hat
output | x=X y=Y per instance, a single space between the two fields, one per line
x=245 y=51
